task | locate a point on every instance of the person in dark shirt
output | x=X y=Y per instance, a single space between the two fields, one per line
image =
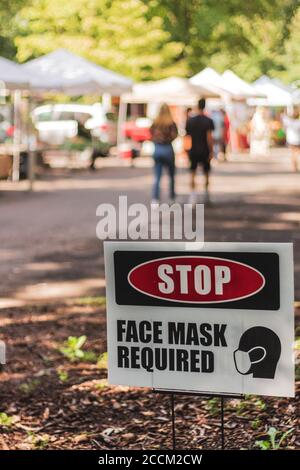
x=199 y=127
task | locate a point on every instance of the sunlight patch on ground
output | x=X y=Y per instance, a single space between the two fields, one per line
x=59 y=290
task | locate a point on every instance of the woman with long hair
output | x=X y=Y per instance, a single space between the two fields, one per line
x=163 y=132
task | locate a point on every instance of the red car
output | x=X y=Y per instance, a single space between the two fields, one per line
x=138 y=130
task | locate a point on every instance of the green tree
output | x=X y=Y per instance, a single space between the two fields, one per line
x=151 y=39
x=290 y=58
x=117 y=34
x=8 y=10
x=261 y=54
x=266 y=36
x=247 y=37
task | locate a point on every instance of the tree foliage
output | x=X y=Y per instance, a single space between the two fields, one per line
x=116 y=34
x=247 y=37
x=8 y=10
x=290 y=59
x=151 y=39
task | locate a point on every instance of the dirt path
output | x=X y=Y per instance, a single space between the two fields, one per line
x=48 y=247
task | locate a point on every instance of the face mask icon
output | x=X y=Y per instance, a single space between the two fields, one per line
x=258 y=353
x=243 y=360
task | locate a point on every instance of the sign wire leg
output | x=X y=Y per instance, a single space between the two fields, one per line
x=173 y=422
x=222 y=423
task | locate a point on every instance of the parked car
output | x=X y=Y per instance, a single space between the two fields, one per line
x=138 y=136
x=57 y=123
x=138 y=130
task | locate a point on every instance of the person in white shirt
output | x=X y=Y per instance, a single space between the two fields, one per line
x=292 y=129
x=260 y=133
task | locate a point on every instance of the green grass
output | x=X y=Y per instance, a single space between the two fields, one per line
x=102 y=361
x=102 y=384
x=274 y=440
x=91 y=301
x=29 y=387
x=213 y=406
x=40 y=442
x=5 y=420
x=62 y=375
x=72 y=350
x=255 y=424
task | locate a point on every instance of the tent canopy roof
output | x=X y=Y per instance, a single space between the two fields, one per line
x=228 y=84
x=264 y=79
x=63 y=71
x=173 y=90
x=239 y=86
x=12 y=76
x=209 y=77
x=277 y=94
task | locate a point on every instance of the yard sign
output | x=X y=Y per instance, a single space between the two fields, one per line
x=216 y=320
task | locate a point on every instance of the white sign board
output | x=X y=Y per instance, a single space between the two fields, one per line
x=215 y=320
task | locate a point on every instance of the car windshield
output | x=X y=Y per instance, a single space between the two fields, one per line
x=44 y=116
x=64 y=116
x=81 y=117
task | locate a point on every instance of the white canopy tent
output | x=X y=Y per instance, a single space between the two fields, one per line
x=229 y=85
x=277 y=94
x=59 y=71
x=240 y=88
x=63 y=71
x=172 y=91
x=293 y=89
x=12 y=77
x=278 y=83
x=209 y=77
x=234 y=92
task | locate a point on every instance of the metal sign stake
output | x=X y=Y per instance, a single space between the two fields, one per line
x=222 y=423
x=191 y=393
x=173 y=422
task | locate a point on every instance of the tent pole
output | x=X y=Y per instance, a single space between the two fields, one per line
x=30 y=149
x=31 y=169
x=106 y=102
x=121 y=121
x=16 y=136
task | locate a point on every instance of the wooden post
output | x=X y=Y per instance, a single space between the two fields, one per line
x=17 y=136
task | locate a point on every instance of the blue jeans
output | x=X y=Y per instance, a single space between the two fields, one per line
x=163 y=157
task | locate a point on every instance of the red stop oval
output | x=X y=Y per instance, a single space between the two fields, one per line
x=196 y=279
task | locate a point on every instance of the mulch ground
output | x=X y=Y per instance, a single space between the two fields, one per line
x=51 y=402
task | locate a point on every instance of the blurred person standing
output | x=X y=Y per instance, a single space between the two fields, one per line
x=199 y=127
x=226 y=133
x=218 y=133
x=187 y=139
x=188 y=113
x=163 y=132
x=259 y=133
x=292 y=128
